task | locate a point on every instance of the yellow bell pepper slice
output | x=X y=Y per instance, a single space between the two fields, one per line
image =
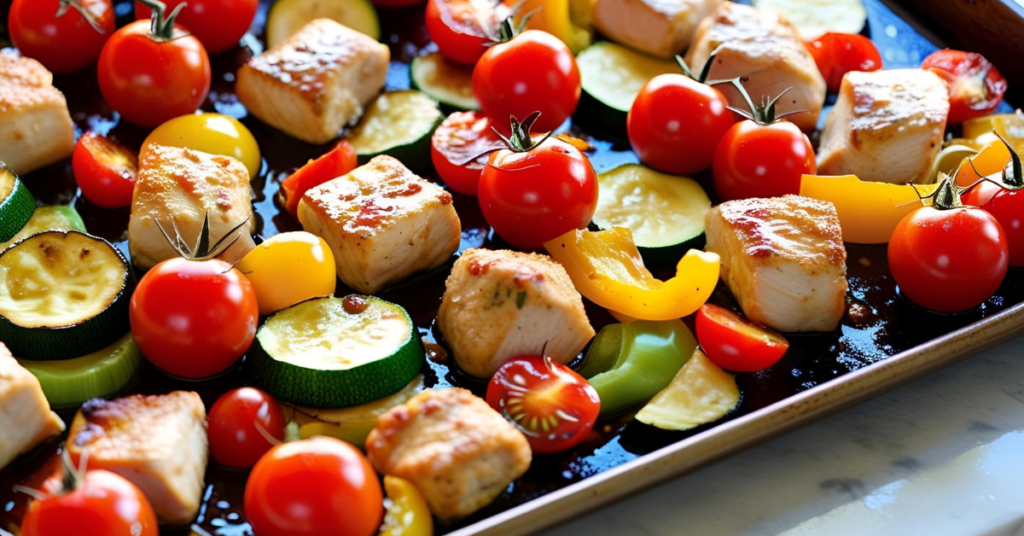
x=407 y=511
x=606 y=268
x=982 y=129
x=568 y=20
x=868 y=211
x=990 y=161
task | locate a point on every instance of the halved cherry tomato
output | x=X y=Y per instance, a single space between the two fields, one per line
x=235 y=440
x=314 y=487
x=459 y=138
x=975 y=85
x=335 y=163
x=57 y=32
x=289 y=268
x=101 y=503
x=209 y=133
x=218 y=24
x=839 y=53
x=462 y=28
x=104 y=170
x=554 y=407
x=735 y=343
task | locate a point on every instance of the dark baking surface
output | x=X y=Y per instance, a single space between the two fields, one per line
x=878 y=324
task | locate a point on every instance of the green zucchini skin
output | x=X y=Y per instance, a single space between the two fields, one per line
x=16 y=210
x=106 y=372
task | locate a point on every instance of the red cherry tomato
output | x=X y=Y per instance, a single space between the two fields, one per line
x=64 y=43
x=103 y=504
x=839 y=53
x=461 y=28
x=756 y=160
x=735 y=343
x=554 y=407
x=675 y=124
x=337 y=162
x=975 y=85
x=235 y=440
x=218 y=24
x=461 y=136
x=314 y=487
x=193 y=319
x=1007 y=206
x=105 y=170
x=534 y=71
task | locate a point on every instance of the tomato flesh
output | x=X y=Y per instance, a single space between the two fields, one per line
x=735 y=343
x=337 y=162
x=104 y=170
x=104 y=504
x=975 y=85
x=838 y=53
x=460 y=137
x=755 y=160
x=62 y=44
x=460 y=28
x=235 y=439
x=218 y=24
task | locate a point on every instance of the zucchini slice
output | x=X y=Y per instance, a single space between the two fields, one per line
x=664 y=212
x=49 y=218
x=16 y=204
x=336 y=352
x=814 y=18
x=449 y=82
x=399 y=124
x=611 y=76
x=70 y=382
x=62 y=294
x=701 y=393
x=287 y=17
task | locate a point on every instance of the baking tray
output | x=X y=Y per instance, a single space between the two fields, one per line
x=884 y=340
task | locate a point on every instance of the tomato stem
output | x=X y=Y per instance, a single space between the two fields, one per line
x=508 y=28
x=162 y=25
x=703 y=73
x=202 y=250
x=520 y=141
x=1013 y=177
x=947 y=196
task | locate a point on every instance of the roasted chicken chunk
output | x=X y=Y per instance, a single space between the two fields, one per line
x=315 y=82
x=25 y=416
x=156 y=442
x=783 y=259
x=35 y=125
x=658 y=27
x=460 y=453
x=502 y=304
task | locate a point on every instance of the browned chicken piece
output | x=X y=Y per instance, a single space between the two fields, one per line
x=35 y=125
x=886 y=126
x=157 y=442
x=25 y=416
x=177 y=188
x=767 y=51
x=783 y=259
x=383 y=223
x=460 y=453
x=658 y=27
x=315 y=82
x=501 y=304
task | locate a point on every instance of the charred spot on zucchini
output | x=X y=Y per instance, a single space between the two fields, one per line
x=16 y=204
x=336 y=352
x=398 y=124
x=62 y=294
x=448 y=82
x=68 y=383
x=611 y=76
x=49 y=218
x=701 y=393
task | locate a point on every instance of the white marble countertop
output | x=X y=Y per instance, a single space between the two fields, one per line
x=943 y=456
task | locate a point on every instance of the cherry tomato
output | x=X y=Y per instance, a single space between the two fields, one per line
x=148 y=78
x=839 y=53
x=975 y=85
x=534 y=71
x=461 y=136
x=337 y=162
x=460 y=28
x=57 y=32
x=314 y=487
x=554 y=407
x=101 y=504
x=762 y=160
x=193 y=319
x=105 y=170
x=735 y=343
x=209 y=133
x=1007 y=206
x=675 y=124
x=218 y=24
x=235 y=440
x=289 y=268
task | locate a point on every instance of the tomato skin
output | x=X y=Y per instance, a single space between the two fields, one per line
x=234 y=439
x=337 y=162
x=453 y=26
x=975 y=85
x=105 y=504
x=218 y=24
x=532 y=197
x=314 y=487
x=762 y=160
x=104 y=170
x=1007 y=206
x=210 y=133
x=948 y=260
x=675 y=124
x=735 y=343
x=551 y=390
x=148 y=81
x=462 y=135
x=534 y=71
x=839 y=53
x=289 y=268
x=193 y=319
x=62 y=44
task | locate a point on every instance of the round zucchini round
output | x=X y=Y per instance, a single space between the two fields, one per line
x=287 y=17
x=70 y=382
x=448 y=82
x=16 y=204
x=398 y=124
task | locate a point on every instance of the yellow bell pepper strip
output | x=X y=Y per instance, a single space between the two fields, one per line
x=982 y=129
x=990 y=161
x=606 y=268
x=568 y=20
x=868 y=211
x=407 y=511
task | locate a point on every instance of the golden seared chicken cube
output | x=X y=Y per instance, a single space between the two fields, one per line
x=783 y=259
x=460 y=453
x=501 y=304
x=175 y=189
x=25 y=416
x=383 y=223
x=766 y=50
x=315 y=82
x=886 y=126
x=35 y=125
x=658 y=27
x=158 y=442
